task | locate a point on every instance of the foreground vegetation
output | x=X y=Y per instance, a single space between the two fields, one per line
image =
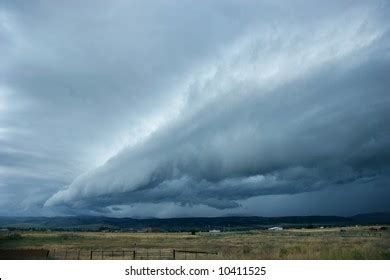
x=328 y=243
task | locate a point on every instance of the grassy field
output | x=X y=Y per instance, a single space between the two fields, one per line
x=328 y=243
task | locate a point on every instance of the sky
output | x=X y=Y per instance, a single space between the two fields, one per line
x=171 y=108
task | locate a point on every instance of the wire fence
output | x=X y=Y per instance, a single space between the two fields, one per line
x=136 y=254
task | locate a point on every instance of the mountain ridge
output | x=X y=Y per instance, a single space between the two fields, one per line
x=95 y=223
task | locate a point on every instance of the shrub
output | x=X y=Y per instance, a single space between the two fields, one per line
x=14 y=236
x=283 y=253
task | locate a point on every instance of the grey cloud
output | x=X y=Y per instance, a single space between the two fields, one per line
x=116 y=108
x=284 y=130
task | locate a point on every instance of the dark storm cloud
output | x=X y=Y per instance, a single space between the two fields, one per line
x=78 y=81
x=183 y=108
x=329 y=135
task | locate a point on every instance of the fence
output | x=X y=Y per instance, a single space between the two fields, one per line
x=24 y=254
x=191 y=255
x=138 y=254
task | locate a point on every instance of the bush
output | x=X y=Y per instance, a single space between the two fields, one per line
x=14 y=236
x=283 y=253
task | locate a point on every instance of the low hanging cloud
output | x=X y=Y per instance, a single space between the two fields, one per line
x=283 y=110
x=188 y=108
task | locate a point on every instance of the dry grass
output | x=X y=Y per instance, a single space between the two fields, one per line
x=353 y=243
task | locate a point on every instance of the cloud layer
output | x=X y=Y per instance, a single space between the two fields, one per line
x=139 y=109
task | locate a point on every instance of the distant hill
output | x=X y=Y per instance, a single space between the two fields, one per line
x=94 y=223
x=372 y=218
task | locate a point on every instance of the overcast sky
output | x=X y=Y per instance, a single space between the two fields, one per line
x=170 y=108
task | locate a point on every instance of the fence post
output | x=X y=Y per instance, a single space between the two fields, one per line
x=90 y=256
x=174 y=254
x=134 y=255
x=123 y=254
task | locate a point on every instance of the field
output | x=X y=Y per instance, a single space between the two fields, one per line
x=328 y=243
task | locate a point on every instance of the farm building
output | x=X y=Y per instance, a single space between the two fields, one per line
x=275 y=228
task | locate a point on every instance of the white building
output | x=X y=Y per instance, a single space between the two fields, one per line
x=275 y=228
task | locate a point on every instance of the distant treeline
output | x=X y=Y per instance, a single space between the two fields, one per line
x=93 y=223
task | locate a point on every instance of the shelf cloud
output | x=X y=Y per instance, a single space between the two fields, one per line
x=162 y=109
